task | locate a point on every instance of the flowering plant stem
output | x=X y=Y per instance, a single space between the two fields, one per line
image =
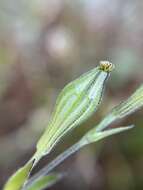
x=58 y=160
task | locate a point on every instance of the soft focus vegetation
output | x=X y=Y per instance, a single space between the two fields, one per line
x=45 y=44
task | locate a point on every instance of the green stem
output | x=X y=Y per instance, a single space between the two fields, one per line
x=58 y=160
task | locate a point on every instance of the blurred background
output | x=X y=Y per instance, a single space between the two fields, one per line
x=45 y=44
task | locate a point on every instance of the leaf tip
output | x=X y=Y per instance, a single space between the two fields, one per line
x=129 y=127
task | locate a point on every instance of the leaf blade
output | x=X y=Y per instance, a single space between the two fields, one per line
x=94 y=136
x=17 y=180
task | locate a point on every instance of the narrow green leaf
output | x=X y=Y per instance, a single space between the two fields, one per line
x=44 y=182
x=77 y=102
x=17 y=180
x=93 y=135
x=133 y=103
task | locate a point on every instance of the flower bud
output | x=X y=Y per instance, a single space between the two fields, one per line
x=76 y=103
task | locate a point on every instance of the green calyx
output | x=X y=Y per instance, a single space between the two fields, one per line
x=76 y=103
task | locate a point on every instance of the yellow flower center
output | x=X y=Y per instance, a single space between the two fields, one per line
x=106 y=66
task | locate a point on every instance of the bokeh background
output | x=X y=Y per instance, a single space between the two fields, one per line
x=45 y=44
